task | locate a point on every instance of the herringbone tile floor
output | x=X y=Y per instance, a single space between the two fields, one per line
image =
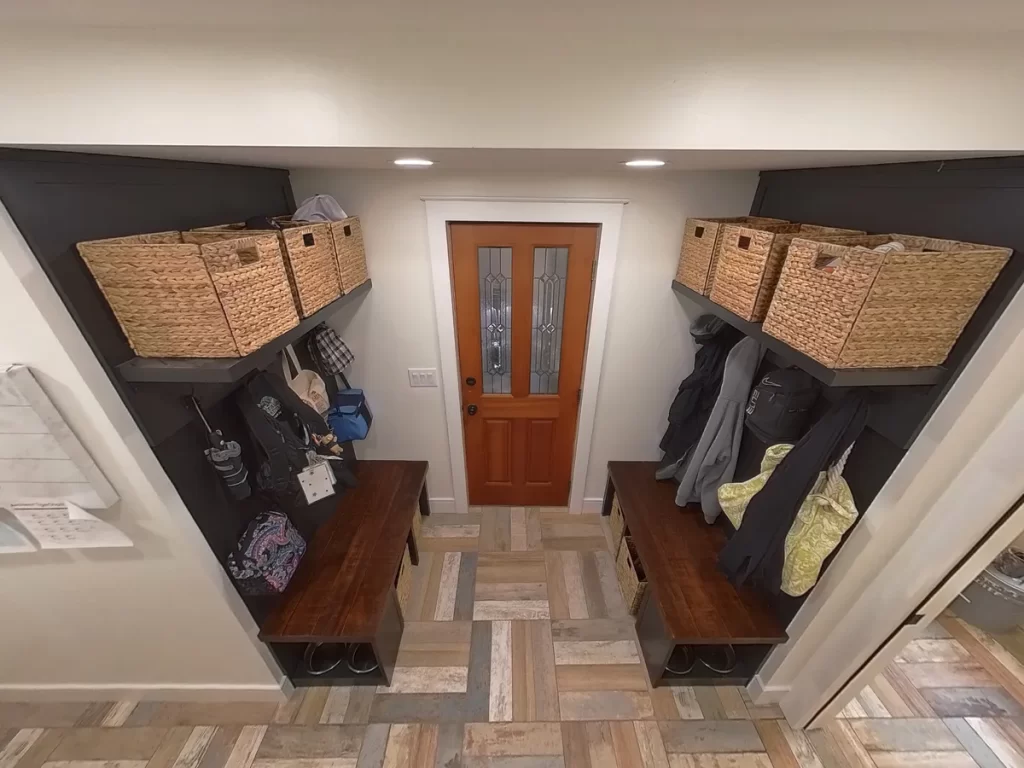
x=518 y=653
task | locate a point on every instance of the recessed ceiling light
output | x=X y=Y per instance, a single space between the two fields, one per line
x=414 y=161
x=645 y=163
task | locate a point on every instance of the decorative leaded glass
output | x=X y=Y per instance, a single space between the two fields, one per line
x=550 y=269
x=496 y=319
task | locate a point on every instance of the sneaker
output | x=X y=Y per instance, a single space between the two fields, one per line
x=718 y=658
x=681 y=661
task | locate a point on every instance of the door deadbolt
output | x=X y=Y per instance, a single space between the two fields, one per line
x=470 y=382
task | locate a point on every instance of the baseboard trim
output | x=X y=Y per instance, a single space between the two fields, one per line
x=592 y=506
x=442 y=506
x=761 y=694
x=148 y=692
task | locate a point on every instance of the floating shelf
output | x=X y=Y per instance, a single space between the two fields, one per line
x=227 y=370
x=831 y=377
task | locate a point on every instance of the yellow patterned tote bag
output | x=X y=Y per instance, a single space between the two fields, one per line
x=824 y=516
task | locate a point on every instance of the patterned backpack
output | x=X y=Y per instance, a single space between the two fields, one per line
x=267 y=555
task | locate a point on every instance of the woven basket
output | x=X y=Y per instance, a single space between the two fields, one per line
x=174 y=299
x=309 y=258
x=632 y=580
x=750 y=261
x=701 y=243
x=617 y=523
x=417 y=526
x=848 y=306
x=347 y=236
x=403 y=581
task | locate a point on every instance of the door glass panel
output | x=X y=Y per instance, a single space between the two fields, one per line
x=496 y=319
x=550 y=268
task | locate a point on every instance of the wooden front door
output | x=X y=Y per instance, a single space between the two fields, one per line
x=522 y=299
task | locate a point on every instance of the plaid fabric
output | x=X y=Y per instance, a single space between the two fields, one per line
x=326 y=346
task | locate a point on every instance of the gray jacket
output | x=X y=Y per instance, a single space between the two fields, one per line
x=713 y=460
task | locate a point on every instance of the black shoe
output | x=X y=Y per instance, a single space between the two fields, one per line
x=361 y=660
x=321 y=658
x=681 y=661
x=717 y=658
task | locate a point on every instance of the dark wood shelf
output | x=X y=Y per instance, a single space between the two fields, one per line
x=831 y=377
x=227 y=370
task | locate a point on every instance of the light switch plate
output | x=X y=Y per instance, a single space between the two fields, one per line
x=423 y=377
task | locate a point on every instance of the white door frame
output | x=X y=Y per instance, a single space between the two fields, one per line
x=441 y=211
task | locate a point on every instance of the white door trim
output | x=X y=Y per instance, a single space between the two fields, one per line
x=441 y=211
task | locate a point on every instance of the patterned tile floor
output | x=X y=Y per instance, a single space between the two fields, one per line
x=518 y=653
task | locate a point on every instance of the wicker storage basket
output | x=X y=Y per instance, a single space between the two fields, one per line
x=417 y=526
x=347 y=236
x=175 y=299
x=630 y=572
x=849 y=306
x=403 y=581
x=309 y=258
x=750 y=261
x=701 y=242
x=617 y=523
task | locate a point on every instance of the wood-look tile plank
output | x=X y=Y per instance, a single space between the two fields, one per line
x=687 y=704
x=171 y=747
x=109 y=744
x=512 y=591
x=246 y=746
x=518 y=517
x=415 y=609
x=768 y=711
x=972 y=702
x=512 y=739
x=451 y=531
x=498 y=610
x=705 y=736
x=286 y=711
x=500 y=701
x=733 y=706
x=435 y=644
x=1013 y=731
x=625 y=744
x=709 y=702
x=496 y=530
x=599 y=745
x=596 y=608
x=1001 y=665
x=411 y=746
x=118 y=713
x=871 y=704
x=996 y=740
x=775 y=743
x=375 y=742
x=94 y=714
x=893 y=702
x=433 y=587
x=18 y=745
x=467 y=586
x=533 y=529
x=568 y=630
x=932 y=650
x=652 y=746
x=558 y=598
x=576 y=598
x=853 y=709
x=221 y=746
x=196 y=744
x=907 y=692
x=172 y=713
x=476 y=702
x=307 y=762
x=435 y=519
x=576 y=745
x=426 y=708
x=517 y=761
x=535 y=694
x=604 y=677
x=605 y=705
x=973 y=743
x=596 y=652
x=896 y=735
x=737 y=760
x=448 y=587
x=449 y=746
x=425 y=680
x=510 y=567
x=95 y=764
x=40 y=715
x=312 y=707
x=847 y=746
x=359 y=703
x=799 y=745
x=336 y=706
x=935 y=631
x=615 y=605
x=663 y=702
x=923 y=760
x=313 y=741
x=947 y=675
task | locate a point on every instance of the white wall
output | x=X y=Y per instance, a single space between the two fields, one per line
x=491 y=75
x=648 y=350
x=157 y=619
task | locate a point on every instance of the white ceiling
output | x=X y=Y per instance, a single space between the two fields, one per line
x=505 y=160
x=634 y=15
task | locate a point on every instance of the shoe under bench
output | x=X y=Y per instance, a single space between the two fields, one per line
x=688 y=601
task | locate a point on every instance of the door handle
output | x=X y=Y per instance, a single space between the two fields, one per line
x=472 y=410
x=470 y=382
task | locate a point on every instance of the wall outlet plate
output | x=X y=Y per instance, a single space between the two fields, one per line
x=423 y=377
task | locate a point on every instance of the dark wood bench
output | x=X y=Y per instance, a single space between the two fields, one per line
x=344 y=588
x=688 y=601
